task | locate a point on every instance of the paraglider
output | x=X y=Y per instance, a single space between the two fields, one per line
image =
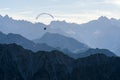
x=45 y=14
x=41 y=14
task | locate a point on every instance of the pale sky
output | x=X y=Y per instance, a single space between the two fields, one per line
x=77 y=11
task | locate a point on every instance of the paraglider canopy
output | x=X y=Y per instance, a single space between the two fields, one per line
x=41 y=14
x=45 y=14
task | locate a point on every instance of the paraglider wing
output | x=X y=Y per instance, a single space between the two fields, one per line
x=45 y=14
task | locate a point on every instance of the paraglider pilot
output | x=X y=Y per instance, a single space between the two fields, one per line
x=45 y=28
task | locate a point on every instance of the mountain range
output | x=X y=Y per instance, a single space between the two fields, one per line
x=50 y=42
x=22 y=27
x=17 y=63
x=20 y=40
x=100 y=33
x=62 y=42
x=70 y=46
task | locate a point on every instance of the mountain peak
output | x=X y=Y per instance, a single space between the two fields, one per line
x=103 y=18
x=63 y=42
x=0 y=15
x=6 y=16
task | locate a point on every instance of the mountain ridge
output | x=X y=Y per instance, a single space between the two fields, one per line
x=64 y=42
x=98 y=34
x=70 y=46
x=20 y=40
x=22 y=64
x=30 y=45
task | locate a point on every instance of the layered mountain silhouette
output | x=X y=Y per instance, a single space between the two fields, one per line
x=20 y=40
x=17 y=63
x=93 y=51
x=62 y=42
x=22 y=27
x=100 y=33
x=70 y=46
x=51 y=41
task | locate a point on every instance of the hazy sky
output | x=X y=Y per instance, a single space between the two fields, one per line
x=78 y=11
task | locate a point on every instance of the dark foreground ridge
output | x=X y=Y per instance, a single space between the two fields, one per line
x=17 y=63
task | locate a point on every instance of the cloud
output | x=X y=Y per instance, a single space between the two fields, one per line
x=78 y=11
x=114 y=2
x=25 y=12
x=4 y=9
x=54 y=0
